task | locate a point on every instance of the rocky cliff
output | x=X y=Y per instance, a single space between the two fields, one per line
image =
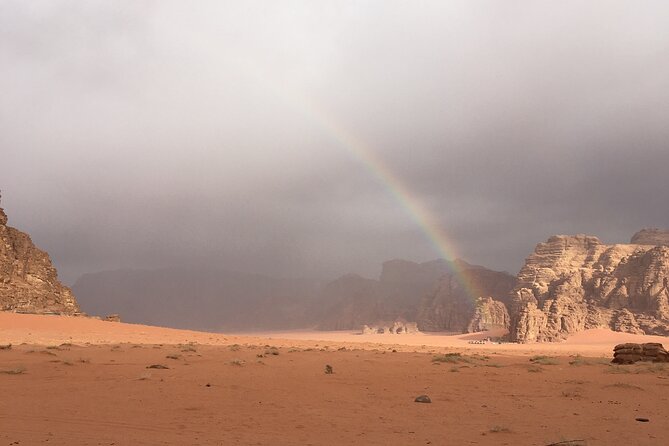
x=573 y=283
x=438 y=295
x=455 y=300
x=28 y=280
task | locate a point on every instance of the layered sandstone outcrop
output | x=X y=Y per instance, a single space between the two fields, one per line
x=489 y=314
x=28 y=280
x=573 y=283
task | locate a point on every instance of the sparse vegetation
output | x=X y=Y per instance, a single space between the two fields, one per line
x=535 y=368
x=235 y=347
x=452 y=358
x=18 y=370
x=579 y=360
x=237 y=362
x=572 y=393
x=544 y=360
x=328 y=369
x=617 y=369
x=621 y=385
x=272 y=351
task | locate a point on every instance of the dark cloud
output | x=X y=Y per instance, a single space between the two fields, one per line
x=146 y=134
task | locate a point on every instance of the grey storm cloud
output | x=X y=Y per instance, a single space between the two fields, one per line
x=149 y=134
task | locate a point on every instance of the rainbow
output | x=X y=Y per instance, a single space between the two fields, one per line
x=414 y=208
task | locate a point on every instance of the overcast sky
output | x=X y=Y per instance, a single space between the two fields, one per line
x=149 y=134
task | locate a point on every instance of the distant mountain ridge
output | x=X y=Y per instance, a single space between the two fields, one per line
x=206 y=299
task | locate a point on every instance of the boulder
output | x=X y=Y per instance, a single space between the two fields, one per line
x=631 y=353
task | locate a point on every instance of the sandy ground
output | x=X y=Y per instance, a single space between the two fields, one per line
x=218 y=389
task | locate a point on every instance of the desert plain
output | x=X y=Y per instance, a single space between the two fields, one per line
x=79 y=381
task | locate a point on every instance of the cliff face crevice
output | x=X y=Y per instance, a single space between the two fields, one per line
x=28 y=280
x=573 y=283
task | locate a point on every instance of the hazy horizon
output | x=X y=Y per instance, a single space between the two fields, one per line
x=233 y=134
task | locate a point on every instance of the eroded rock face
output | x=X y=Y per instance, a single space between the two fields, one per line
x=573 y=283
x=28 y=280
x=651 y=236
x=452 y=305
x=631 y=353
x=489 y=314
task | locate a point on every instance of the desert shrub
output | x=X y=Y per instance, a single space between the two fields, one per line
x=544 y=360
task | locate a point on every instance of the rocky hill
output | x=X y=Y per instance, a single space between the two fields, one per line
x=28 y=280
x=433 y=294
x=572 y=283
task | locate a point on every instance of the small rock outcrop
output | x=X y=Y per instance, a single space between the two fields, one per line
x=28 y=281
x=397 y=327
x=630 y=353
x=573 y=283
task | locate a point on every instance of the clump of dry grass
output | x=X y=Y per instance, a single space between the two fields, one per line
x=621 y=385
x=272 y=351
x=544 y=360
x=451 y=358
x=237 y=362
x=18 y=370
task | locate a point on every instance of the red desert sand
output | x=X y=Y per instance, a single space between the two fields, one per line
x=79 y=381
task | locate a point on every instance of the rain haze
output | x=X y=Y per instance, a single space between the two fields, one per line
x=239 y=134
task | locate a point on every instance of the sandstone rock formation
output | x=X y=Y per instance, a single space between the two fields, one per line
x=439 y=295
x=572 y=283
x=651 y=236
x=28 y=281
x=453 y=304
x=489 y=314
x=397 y=327
x=630 y=353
